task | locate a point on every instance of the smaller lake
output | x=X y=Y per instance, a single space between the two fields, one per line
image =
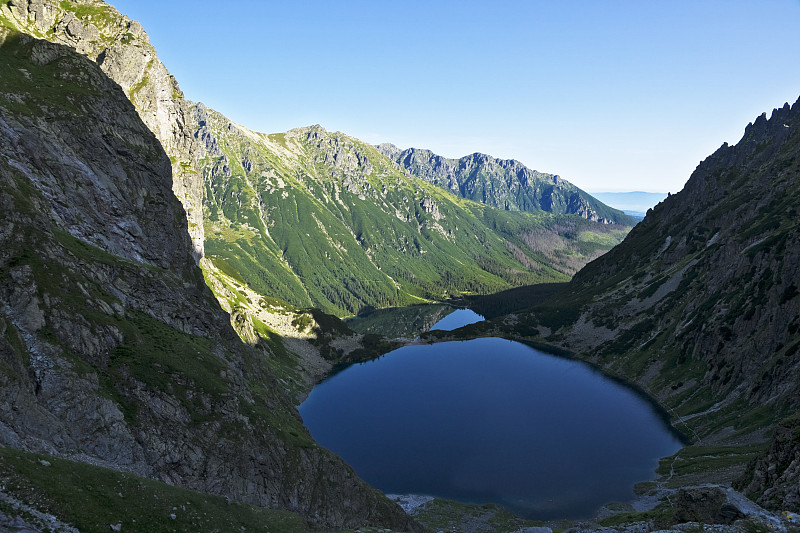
x=491 y=421
x=457 y=319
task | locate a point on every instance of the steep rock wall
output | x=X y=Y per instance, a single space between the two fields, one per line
x=503 y=183
x=112 y=349
x=123 y=50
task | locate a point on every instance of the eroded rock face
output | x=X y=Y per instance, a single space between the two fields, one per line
x=503 y=183
x=707 y=505
x=98 y=181
x=123 y=50
x=112 y=349
x=775 y=476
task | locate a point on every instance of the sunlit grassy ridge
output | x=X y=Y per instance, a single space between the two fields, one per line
x=322 y=219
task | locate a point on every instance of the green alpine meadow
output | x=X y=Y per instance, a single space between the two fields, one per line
x=321 y=219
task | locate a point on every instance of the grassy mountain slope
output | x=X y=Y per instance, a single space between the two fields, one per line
x=700 y=304
x=70 y=495
x=319 y=218
x=113 y=351
x=503 y=183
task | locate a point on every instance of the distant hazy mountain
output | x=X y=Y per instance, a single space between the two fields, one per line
x=503 y=183
x=634 y=203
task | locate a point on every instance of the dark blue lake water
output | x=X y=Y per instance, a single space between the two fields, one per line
x=490 y=420
x=458 y=318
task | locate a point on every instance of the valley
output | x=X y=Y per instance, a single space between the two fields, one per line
x=321 y=219
x=173 y=285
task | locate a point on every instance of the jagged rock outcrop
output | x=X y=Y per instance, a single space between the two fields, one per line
x=503 y=183
x=346 y=158
x=774 y=478
x=112 y=349
x=123 y=50
x=706 y=505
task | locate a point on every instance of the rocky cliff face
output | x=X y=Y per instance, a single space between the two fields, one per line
x=700 y=304
x=112 y=349
x=123 y=50
x=775 y=476
x=503 y=183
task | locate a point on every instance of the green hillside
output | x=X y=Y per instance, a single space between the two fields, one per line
x=322 y=219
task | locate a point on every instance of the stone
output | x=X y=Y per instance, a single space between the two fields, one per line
x=775 y=475
x=502 y=183
x=707 y=504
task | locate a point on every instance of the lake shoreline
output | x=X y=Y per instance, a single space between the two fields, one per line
x=540 y=427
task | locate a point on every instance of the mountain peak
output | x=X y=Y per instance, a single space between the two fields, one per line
x=122 y=49
x=503 y=183
x=305 y=130
x=388 y=149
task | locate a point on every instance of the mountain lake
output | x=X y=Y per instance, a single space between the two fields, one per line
x=457 y=319
x=491 y=421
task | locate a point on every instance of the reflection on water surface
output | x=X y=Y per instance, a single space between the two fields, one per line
x=490 y=420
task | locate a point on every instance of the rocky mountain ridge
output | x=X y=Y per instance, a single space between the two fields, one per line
x=699 y=307
x=503 y=183
x=121 y=47
x=113 y=351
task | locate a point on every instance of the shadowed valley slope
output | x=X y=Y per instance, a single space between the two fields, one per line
x=700 y=306
x=114 y=351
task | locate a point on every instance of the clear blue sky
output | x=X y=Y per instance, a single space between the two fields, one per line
x=613 y=95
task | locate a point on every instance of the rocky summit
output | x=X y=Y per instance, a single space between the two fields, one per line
x=503 y=183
